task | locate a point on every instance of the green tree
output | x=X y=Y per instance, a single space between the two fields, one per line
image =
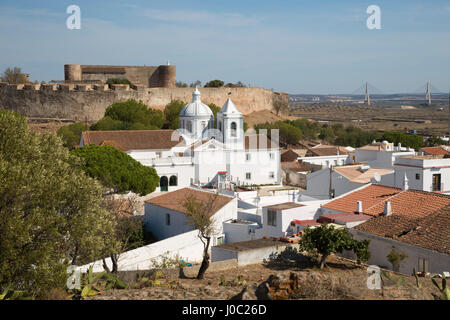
x=130 y=115
x=288 y=134
x=129 y=230
x=171 y=113
x=107 y=123
x=181 y=84
x=325 y=240
x=214 y=84
x=200 y=216
x=71 y=134
x=117 y=170
x=14 y=76
x=51 y=212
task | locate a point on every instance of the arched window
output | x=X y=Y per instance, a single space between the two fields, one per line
x=173 y=181
x=220 y=125
x=163 y=183
x=233 y=129
x=189 y=126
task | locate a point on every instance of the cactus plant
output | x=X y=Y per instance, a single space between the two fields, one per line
x=445 y=290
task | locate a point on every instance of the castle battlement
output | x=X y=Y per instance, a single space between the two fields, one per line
x=69 y=87
x=82 y=101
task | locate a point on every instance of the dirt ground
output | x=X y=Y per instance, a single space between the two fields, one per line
x=341 y=279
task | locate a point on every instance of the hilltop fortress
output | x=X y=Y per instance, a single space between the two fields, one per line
x=84 y=94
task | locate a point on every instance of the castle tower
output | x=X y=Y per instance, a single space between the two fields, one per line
x=196 y=117
x=230 y=123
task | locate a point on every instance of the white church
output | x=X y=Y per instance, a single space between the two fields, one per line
x=199 y=152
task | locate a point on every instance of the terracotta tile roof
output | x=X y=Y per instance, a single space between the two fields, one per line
x=174 y=200
x=411 y=203
x=134 y=139
x=284 y=206
x=435 y=151
x=112 y=143
x=431 y=232
x=343 y=217
x=252 y=141
x=306 y=222
x=289 y=155
x=370 y=196
x=354 y=174
x=326 y=151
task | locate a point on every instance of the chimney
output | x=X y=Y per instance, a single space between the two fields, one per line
x=405 y=183
x=359 y=208
x=387 y=208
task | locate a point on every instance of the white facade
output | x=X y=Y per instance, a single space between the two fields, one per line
x=381 y=155
x=327 y=161
x=426 y=173
x=164 y=223
x=205 y=151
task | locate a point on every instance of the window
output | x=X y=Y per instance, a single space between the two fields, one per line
x=248 y=176
x=173 y=181
x=423 y=265
x=233 y=129
x=436 y=182
x=247 y=157
x=287 y=177
x=220 y=126
x=417 y=176
x=271 y=174
x=335 y=162
x=158 y=154
x=219 y=241
x=272 y=218
x=271 y=155
x=189 y=126
x=203 y=125
x=168 y=219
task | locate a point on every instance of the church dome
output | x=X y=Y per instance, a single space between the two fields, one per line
x=196 y=108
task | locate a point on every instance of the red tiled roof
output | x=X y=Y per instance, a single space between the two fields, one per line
x=306 y=222
x=412 y=203
x=431 y=232
x=370 y=196
x=435 y=151
x=134 y=139
x=289 y=156
x=343 y=217
x=174 y=200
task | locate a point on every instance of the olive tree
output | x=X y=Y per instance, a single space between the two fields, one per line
x=51 y=212
x=200 y=216
x=325 y=240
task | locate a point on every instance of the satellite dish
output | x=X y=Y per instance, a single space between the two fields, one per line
x=377 y=177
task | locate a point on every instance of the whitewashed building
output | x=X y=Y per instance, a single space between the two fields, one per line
x=381 y=154
x=196 y=153
x=425 y=173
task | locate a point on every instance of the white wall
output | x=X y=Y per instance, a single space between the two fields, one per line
x=327 y=161
x=317 y=184
x=155 y=220
x=380 y=248
x=186 y=246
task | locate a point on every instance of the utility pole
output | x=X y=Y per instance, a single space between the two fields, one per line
x=367 y=97
x=428 y=94
x=330 y=189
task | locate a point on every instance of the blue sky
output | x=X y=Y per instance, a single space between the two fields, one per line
x=292 y=46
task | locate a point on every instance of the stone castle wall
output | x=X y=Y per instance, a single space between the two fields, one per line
x=79 y=102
